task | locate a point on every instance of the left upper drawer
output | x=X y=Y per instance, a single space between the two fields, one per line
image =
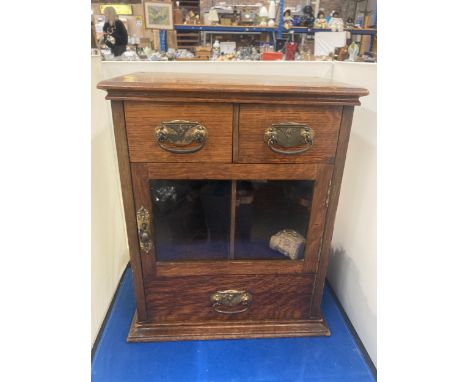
x=191 y=132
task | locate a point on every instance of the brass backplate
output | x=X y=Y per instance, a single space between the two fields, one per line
x=181 y=133
x=290 y=134
x=231 y=301
x=144 y=229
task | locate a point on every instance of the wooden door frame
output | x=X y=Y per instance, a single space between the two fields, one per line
x=319 y=173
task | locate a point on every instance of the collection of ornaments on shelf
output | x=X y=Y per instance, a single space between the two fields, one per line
x=247 y=53
x=261 y=16
x=307 y=19
x=302 y=16
x=221 y=14
x=292 y=52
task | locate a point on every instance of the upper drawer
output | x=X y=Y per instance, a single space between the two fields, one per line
x=301 y=134
x=152 y=138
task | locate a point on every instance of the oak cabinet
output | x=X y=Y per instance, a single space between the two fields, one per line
x=230 y=186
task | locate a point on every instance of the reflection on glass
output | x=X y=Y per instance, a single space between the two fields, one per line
x=191 y=219
x=272 y=219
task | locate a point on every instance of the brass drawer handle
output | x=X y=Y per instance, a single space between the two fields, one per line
x=231 y=301
x=181 y=134
x=144 y=229
x=289 y=134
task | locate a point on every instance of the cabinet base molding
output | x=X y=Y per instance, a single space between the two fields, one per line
x=150 y=331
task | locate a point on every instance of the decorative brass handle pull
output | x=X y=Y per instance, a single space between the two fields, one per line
x=181 y=137
x=289 y=134
x=144 y=229
x=231 y=301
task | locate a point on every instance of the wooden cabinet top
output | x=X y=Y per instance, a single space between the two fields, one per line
x=227 y=85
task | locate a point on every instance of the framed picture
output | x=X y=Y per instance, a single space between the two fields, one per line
x=159 y=15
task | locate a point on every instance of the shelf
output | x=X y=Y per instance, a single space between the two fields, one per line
x=247 y=29
x=223 y=28
x=355 y=31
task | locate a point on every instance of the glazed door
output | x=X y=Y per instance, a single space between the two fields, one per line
x=205 y=219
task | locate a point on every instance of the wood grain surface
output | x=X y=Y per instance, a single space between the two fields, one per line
x=255 y=119
x=118 y=117
x=317 y=219
x=219 y=96
x=142 y=198
x=232 y=171
x=245 y=83
x=187 y=299
x=235 y=267
x=152 y=331
x=334 y=195
x=142 y=118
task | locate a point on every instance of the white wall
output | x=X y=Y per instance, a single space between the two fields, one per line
x=109 y=250
x=352 y=271
x=353 y=262
x=280 y=68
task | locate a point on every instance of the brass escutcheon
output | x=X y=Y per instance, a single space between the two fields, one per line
x=181 y=137
x=289 y=134
x=144 y=229
x=229 y=301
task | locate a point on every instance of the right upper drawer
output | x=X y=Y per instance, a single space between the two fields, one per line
x=288 y=133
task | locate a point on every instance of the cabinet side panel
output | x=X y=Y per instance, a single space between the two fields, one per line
x=337 y=176
x=118 y=117
x=317 y=219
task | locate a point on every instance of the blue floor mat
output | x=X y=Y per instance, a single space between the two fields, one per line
x=326 y=359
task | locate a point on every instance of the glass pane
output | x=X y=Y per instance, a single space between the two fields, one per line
x=191 y=219
x=272 y=219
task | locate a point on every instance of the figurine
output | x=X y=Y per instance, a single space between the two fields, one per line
x=213 y=16
x=287 y=19
x=341 y=53
x=272 y=13
x=178 y=14
x=263 y=15
x=235 y=17
x=296 y=20
x=353 y=51
x=216 y=49
x=288 y=242
x=191 y=18
x=336 y=24
x=254 y=55
x=320 y=22
x=307 y=20
x=349 y=23
x=291 y=48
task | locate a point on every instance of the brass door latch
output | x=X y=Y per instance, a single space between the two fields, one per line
x=144 y=229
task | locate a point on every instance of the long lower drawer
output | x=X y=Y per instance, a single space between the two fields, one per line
x=231 y=297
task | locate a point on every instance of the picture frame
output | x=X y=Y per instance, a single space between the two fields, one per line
x=158 y=15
